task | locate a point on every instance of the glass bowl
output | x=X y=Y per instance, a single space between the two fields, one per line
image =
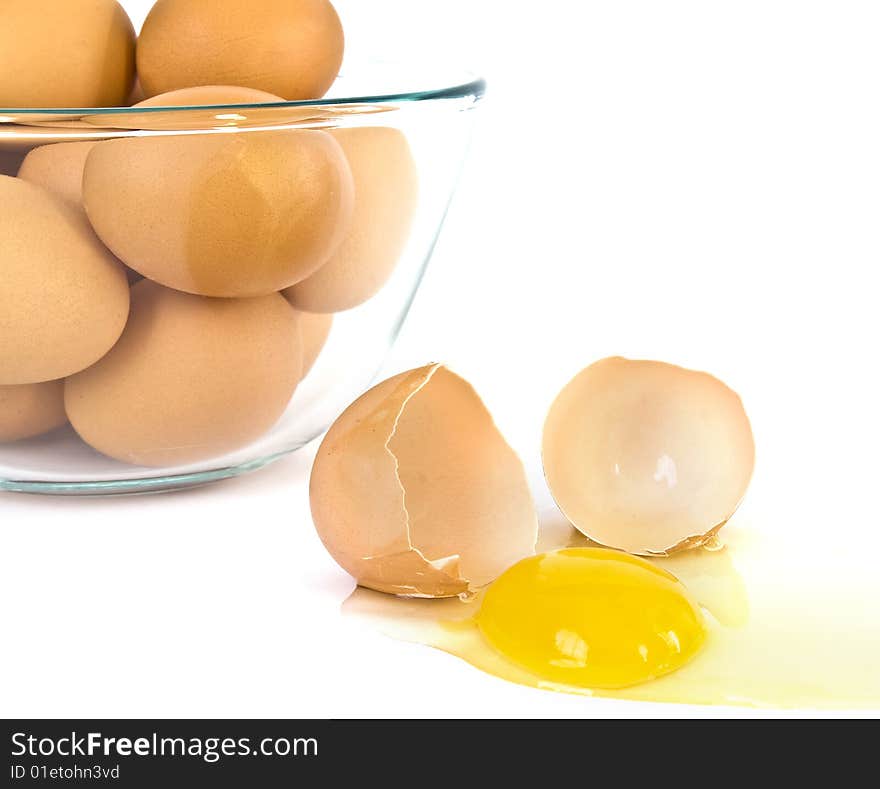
x=436 y=120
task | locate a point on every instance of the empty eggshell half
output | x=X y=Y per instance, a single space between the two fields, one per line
x=647 y=457
x=63 y=297
x=30 y=410
x=385 y=196
x=191 y=378
x=292 y=48
x=218 y=214
x=415 y=492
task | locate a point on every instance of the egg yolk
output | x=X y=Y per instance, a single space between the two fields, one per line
x=592 y=618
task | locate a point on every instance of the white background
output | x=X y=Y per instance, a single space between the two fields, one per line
x=696 y=182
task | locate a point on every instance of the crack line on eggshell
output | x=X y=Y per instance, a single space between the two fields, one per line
x=438 y=564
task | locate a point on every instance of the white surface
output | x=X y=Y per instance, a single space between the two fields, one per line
x=695 y=182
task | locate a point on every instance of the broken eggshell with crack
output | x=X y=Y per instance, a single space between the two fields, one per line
x=647 y=457
x=415 y=492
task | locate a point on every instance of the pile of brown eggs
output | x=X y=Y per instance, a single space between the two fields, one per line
x=167 y=293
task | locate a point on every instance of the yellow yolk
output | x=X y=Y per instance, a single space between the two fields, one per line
x=592 y=618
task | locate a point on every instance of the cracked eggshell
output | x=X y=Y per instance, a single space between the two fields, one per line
x=415 y=492
x=292 y=48
x=227 y=215
x=63 y=297
x=385 y=196
x=30 y=410
x=191 y=378
x=76 y=53
x=647 y=457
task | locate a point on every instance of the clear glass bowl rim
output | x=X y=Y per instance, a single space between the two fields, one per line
x=474 y=88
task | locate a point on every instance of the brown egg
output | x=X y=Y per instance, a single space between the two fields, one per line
x=229 y=215
x=206 y=95
x=30 y=410
x=63 y=298
x=58 y=169
x=414 y=491
x=386 y=191
x=314 y=329
x=647 y=457
x=191 y=378
x=187 y=119
x=76 y=53
x=292 y=48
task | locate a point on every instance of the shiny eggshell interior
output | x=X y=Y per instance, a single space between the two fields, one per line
x=646 y=456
